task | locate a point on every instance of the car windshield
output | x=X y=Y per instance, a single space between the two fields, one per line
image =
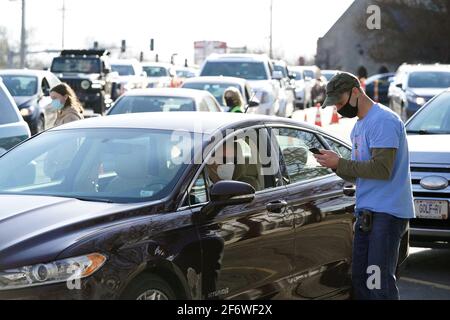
x=113 y=165
x=433 y=118
x=20 y=86
x=75 y=65
x=216 y=89
x=123 y=70
x=281 y=69
x=309 y=74
x=298 y=74
x=156 y=72
x=246 y=70
x=185 y=74
x=425 y=79
x=135 y=104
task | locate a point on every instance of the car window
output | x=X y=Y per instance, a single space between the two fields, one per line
x=45 y=87
x=123 y=70
x=424 y=79
x=339 y=148
x=198 y=193
x=246 y=70
x=21 y=86
x=75 y=65
x=211 y=104
x=7 y=106
x=156 y=72
x=433 y=118
x=137 y=104
x=299 y=161
x=245 y=157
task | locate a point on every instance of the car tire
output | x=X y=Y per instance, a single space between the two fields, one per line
x=149 y=287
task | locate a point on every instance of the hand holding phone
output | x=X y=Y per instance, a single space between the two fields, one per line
x=315 y=151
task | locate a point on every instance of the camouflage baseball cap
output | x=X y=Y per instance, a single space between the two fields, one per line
x=340 y=83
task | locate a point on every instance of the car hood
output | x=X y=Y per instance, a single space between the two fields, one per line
x=24 y=101
x=259 y=85
x=426 y=92
x=47 y=225
x=433 y=149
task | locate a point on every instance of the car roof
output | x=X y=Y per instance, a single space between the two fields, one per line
x=198 y=122
x=173 y=92
x=25 y=72
x=218 y=79
x=238 y=57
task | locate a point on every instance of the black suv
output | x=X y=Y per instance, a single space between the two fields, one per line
x=88 y=73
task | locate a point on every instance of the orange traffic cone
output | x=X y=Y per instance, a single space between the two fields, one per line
x=334 y=117
x=306 y=117
x=318 y=121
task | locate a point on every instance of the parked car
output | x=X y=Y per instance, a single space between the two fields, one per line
x=165 y=100
x=428 y=138
x=31 y=92
x=287 y=92
x=379 y=83
x=414 y=85
x=303 y=96
x=217 y=85
x=121 y=211
x=13 y=129
x=131 y=75
x=159 y=75
x=257 y=69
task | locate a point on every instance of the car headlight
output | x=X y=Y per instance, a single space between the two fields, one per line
x=85 y=84
x=27 y=111
x=54 y=272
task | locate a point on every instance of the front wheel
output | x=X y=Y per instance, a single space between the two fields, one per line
x=149 y=287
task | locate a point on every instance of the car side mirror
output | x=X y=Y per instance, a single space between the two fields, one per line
x=399 y=85
x=277 y=75
x=226 y=193
x=253 y=103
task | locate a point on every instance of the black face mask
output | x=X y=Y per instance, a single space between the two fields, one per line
x=349 y=111
x=229 y=102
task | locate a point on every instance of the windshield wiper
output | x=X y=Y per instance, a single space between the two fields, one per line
x=93 y=199
x=424 y=132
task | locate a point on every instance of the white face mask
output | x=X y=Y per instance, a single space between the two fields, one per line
x=225 y=171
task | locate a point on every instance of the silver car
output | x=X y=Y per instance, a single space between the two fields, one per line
x=429 y=143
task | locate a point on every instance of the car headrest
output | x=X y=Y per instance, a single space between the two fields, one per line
x=295 y=155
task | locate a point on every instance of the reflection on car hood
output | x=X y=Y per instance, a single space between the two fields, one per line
x=29 y=221
x=429 y=148
x=24 y=101
x=426 y=92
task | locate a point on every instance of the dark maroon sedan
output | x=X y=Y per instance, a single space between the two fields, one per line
x=175 y=206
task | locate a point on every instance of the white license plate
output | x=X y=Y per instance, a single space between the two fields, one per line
x=431 y=209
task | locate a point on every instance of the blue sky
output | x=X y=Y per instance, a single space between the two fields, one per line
x=175 y=24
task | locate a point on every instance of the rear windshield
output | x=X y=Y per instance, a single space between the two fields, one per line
x=429 y=80
x=20 y=86
x=123 y=70
x=245 y=70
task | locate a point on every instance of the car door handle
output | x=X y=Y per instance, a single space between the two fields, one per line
x=350 y=190
x=276 y=206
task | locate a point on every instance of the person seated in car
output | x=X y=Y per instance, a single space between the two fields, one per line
x=233 y=99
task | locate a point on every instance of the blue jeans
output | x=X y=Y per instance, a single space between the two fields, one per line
x=377 y=250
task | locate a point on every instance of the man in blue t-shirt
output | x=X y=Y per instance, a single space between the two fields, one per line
x=380 y=169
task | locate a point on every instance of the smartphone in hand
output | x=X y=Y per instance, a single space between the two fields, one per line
x=315 y=151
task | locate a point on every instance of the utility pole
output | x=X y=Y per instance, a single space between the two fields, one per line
x=23 y=38
x=271 y=31
x=63 y=23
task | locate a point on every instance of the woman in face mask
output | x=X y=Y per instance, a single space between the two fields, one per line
x=65 y=101
x=233 y=99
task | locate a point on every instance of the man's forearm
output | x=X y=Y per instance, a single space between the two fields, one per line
x=379 y=167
